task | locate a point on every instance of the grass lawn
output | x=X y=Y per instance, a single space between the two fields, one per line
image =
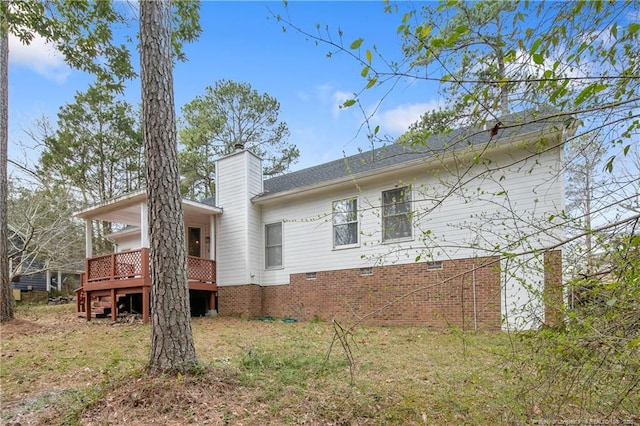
x=58 y=369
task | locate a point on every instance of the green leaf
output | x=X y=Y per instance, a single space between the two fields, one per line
x=609 y=166
x=365 y=71
x=371 y=83
x=452 y=38
x=437 y=43
x=425 y=32
x=534 y=47
x=368 y=55
x=356 y=44
x=633 y=28
x=538 y=58
x=589 y=91
x=462 y=29
x=348 y=103
x=418 y=257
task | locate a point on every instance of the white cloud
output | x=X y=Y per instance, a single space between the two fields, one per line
x=333 y=98
x=397 y=120
x=338 y=98
x=39 y=56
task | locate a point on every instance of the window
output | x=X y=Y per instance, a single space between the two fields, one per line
x=273 y=245
x=345 y=222
x=311 y=275
x=396 y=214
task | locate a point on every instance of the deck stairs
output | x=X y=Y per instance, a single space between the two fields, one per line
x=101 y=307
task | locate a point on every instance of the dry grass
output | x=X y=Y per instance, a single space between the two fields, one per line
x=57 y=369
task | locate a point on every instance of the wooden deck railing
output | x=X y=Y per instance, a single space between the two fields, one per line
x=118 y=266
x=134 y=264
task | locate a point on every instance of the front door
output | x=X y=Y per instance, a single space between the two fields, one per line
x=194 y=241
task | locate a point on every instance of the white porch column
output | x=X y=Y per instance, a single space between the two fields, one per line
x=144 y=225
x=88 y=238
x=48 y=280
x=59 y=280
x=212 y=237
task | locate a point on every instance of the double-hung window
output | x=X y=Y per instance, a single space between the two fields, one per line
x=396 y=214
x=345 y=223
x=273 y=245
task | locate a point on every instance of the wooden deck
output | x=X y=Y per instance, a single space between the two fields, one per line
x=112 y=276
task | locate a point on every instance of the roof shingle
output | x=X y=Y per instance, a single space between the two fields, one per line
x=396 y=154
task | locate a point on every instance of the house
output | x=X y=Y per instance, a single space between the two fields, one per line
x=28 y=272
x=430 y=235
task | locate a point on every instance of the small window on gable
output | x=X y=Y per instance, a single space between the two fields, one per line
x=396 y=214
x=273 y=245
x=345 y=222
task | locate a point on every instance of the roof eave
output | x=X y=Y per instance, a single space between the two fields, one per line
x=96 y=208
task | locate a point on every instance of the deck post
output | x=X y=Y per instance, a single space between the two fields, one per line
x=114 y=305
x=212 y=300
x=80 y=303
x=87 y=304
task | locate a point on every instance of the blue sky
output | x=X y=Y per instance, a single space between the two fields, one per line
x=242 y=41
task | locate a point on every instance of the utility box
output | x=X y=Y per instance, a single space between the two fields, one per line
x=17 y=294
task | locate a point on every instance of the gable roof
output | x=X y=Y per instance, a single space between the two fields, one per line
x=398 y=154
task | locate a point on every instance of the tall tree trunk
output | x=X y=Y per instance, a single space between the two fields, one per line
x=588 y=195
x=6 y=296
x=172 y=348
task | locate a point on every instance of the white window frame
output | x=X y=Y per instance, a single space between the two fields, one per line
x=267 y=247
x=356 y=221
x=409 y=214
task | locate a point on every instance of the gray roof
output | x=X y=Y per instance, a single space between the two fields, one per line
x=396 y=154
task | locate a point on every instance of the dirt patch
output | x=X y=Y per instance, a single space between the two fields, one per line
x=21 y=327
x=214 y=397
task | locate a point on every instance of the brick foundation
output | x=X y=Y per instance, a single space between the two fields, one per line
x=438 y=298
x=240 y=300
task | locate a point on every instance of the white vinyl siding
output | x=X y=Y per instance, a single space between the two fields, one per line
x=345 y=223
x=239 y=249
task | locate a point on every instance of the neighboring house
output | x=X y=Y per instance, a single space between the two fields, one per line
x=28 y=272
x=398 y=235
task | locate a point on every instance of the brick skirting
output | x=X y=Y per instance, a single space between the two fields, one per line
x=438 y=297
